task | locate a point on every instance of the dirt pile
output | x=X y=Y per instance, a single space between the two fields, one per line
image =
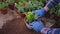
x=16 y=26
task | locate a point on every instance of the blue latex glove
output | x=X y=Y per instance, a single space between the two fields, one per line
x=37 y=26
x=40 y=13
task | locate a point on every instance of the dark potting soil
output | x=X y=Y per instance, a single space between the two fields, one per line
x=57 y=24
x=56 y=18
x=16 y=26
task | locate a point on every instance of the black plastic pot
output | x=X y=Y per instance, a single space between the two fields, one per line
x=4 y=11
x=11 y=6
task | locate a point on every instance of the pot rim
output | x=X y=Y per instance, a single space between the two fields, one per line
x=27 y=25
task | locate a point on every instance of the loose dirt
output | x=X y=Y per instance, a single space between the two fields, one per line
x=16 y=26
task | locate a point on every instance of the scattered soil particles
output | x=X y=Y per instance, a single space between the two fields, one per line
x=16 y=26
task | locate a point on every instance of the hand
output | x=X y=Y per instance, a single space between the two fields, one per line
x=37 y=26
x=40 y=13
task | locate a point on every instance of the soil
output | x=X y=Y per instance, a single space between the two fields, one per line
x=16 y=26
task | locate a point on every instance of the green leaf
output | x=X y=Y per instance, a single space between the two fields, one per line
x=30 y=17
x=52 y=11
x=20 y=9
x=11 y=1
x=0 y=0
x=3 y=5
x=21 y=1
x=58 y=13
x=58 y=6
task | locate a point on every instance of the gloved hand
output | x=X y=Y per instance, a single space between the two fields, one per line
x=40 y=13
x=37 y=26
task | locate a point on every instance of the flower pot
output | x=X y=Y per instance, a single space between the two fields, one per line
x=22 y=15
x=27 y=25
x=16 y=10
x=11 y=6
x=4 y=11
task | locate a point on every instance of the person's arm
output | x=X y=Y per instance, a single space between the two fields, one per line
x=50 y=31
x=51 y=4
x=39 y=26
x=40 y=13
